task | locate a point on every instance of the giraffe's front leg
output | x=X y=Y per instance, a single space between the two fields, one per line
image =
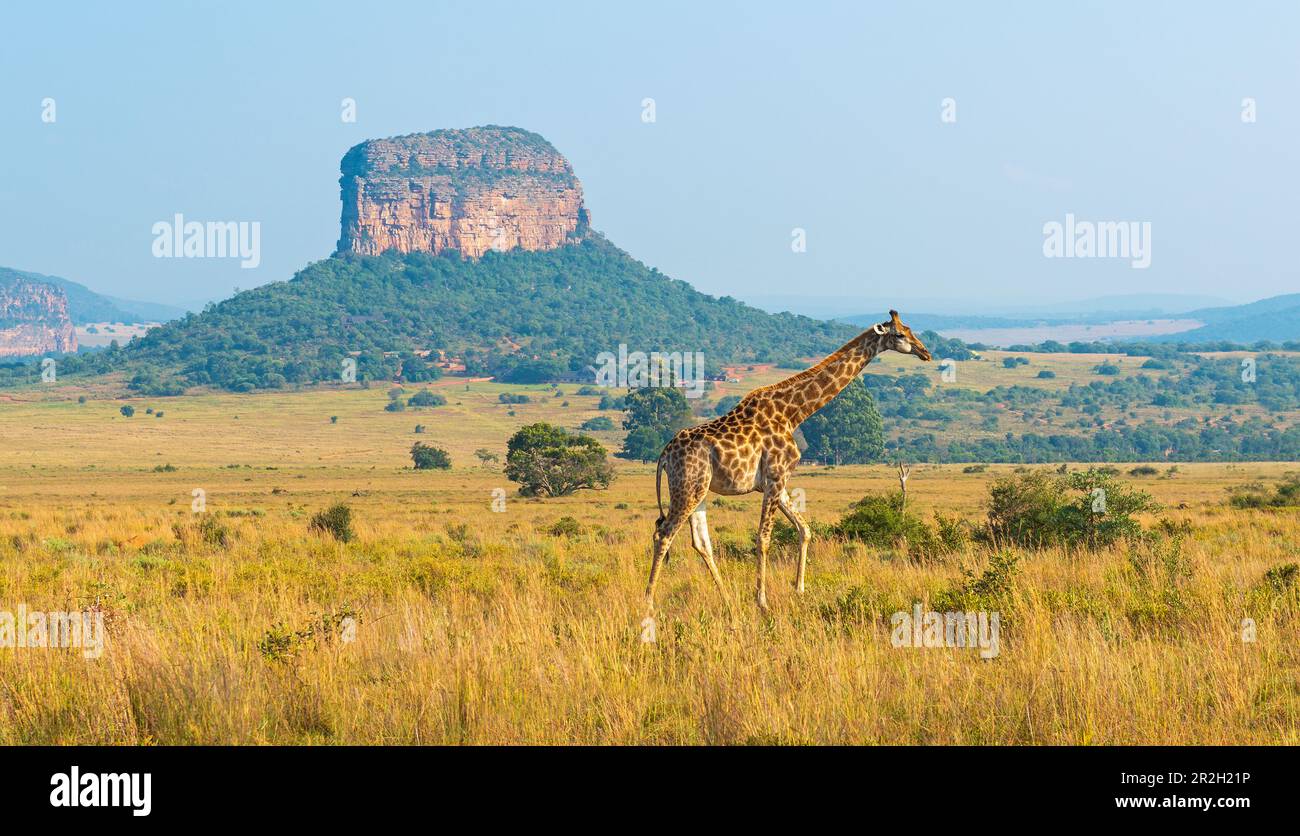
x=805 y=533
x=764 y=537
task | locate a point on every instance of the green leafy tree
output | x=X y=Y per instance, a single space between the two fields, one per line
x=548 y=461
x=426 y=398
x=428 y=457
x=726 y=404
x=653 y=415
x=848 y=430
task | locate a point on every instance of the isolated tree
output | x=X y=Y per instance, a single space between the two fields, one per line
x=486 y=456
x=652 y=417
x=428 y=457
x=426 y=398
x=848 y=430
x=548 y=461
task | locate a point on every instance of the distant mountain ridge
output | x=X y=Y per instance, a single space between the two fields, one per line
x=86 y=306
x=1275 y=319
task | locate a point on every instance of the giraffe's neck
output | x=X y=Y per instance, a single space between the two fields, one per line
x=808 y=391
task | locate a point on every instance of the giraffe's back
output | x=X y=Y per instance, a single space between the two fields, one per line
x=732 y=447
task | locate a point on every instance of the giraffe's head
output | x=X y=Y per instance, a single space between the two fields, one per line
x=898 y=337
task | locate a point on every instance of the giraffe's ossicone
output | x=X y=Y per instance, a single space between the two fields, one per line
x=752 y=449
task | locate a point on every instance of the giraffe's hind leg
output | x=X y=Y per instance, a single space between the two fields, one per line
x=687 y=490
x=700 y=540
x=805 y=534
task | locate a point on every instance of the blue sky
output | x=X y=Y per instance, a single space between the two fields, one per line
x=769 y=117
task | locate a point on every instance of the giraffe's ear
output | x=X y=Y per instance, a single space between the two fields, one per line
x=879 y=329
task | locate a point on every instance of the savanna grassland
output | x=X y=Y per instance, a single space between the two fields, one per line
x=519 y=626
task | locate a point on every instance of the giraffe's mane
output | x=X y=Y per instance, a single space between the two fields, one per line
x=809 y=372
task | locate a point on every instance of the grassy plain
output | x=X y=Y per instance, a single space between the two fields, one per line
x=476 y=626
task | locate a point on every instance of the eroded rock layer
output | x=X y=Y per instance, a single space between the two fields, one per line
x=469 y=190
x=34 y=320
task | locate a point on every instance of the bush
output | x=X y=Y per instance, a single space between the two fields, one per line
x=127 y=410
x=426 y=398
x=599 y=423
x=547 y=461
x=1046 y=374
x=506 y=397
x=989 y=591
x=884 y=522
x=428 y=457
x=1144 y=470
x=565 y=527
x=212 y=532
x=335 y=521
x=395 y=406
x=1286 y=494
x=1086 y=509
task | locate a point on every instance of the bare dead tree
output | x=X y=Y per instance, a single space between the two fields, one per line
x=904 y=471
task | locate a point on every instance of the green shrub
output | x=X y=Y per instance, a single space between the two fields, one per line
x=335 y=521
x=425 y=398
x=1285 y=494
x=565 y=527
x=1086 y=509
x=599 y=423
x=428 y=457
x=884 y=522
x=989 y=591
x=212 y=532
x=127 y=410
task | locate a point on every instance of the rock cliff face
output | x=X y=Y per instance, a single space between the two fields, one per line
x=34 y=320
x=469 y=190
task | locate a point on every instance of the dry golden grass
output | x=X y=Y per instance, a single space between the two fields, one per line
x=483 y=627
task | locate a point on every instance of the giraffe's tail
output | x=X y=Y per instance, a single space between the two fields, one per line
x=659 y=472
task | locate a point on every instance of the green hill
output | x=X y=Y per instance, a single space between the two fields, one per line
x=517 y=315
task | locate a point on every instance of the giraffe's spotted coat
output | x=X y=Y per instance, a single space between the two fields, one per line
x=752 y=448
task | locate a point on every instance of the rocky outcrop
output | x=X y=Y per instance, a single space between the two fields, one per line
x=34 y=320
x=472 y=190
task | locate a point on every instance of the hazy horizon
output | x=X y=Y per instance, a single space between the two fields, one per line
x=767 y=120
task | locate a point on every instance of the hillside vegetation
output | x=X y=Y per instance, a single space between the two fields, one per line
x=517 y=315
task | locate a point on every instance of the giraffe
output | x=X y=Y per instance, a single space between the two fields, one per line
x=752 y=449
